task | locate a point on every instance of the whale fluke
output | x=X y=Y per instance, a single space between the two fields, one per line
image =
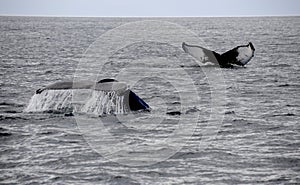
x=106 y=85
x=239 y=55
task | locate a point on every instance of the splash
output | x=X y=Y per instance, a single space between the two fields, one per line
x=99 y=103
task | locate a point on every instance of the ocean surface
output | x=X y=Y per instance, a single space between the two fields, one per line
x=206 y=125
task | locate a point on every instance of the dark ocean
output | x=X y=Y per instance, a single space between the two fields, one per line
x=221 y=126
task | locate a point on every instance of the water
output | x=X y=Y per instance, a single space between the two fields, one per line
x=257 y=142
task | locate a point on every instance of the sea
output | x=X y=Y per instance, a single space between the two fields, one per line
x=205 y=125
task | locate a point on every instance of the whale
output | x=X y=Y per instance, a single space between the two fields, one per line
x=240 y=55
x=132 y=100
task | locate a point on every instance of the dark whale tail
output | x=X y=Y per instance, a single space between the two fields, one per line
x=239 y=55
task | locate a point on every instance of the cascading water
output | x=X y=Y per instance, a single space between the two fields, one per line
x=99 y=103
x=51 y=100
x=105 y=102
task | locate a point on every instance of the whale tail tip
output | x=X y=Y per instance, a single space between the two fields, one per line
x=184 y=47
x=252 y=46
x=39 y=91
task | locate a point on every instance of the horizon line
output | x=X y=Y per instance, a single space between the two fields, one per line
x=92 y=16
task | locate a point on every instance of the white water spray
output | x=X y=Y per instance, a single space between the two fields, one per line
x=99 y=103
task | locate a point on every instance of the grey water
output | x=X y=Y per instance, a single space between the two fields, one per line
x=256 y=142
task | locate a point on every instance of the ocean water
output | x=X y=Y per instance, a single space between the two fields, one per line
x=206 y=126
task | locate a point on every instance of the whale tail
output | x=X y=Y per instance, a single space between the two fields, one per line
x=239 y=55
x=131 y=100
